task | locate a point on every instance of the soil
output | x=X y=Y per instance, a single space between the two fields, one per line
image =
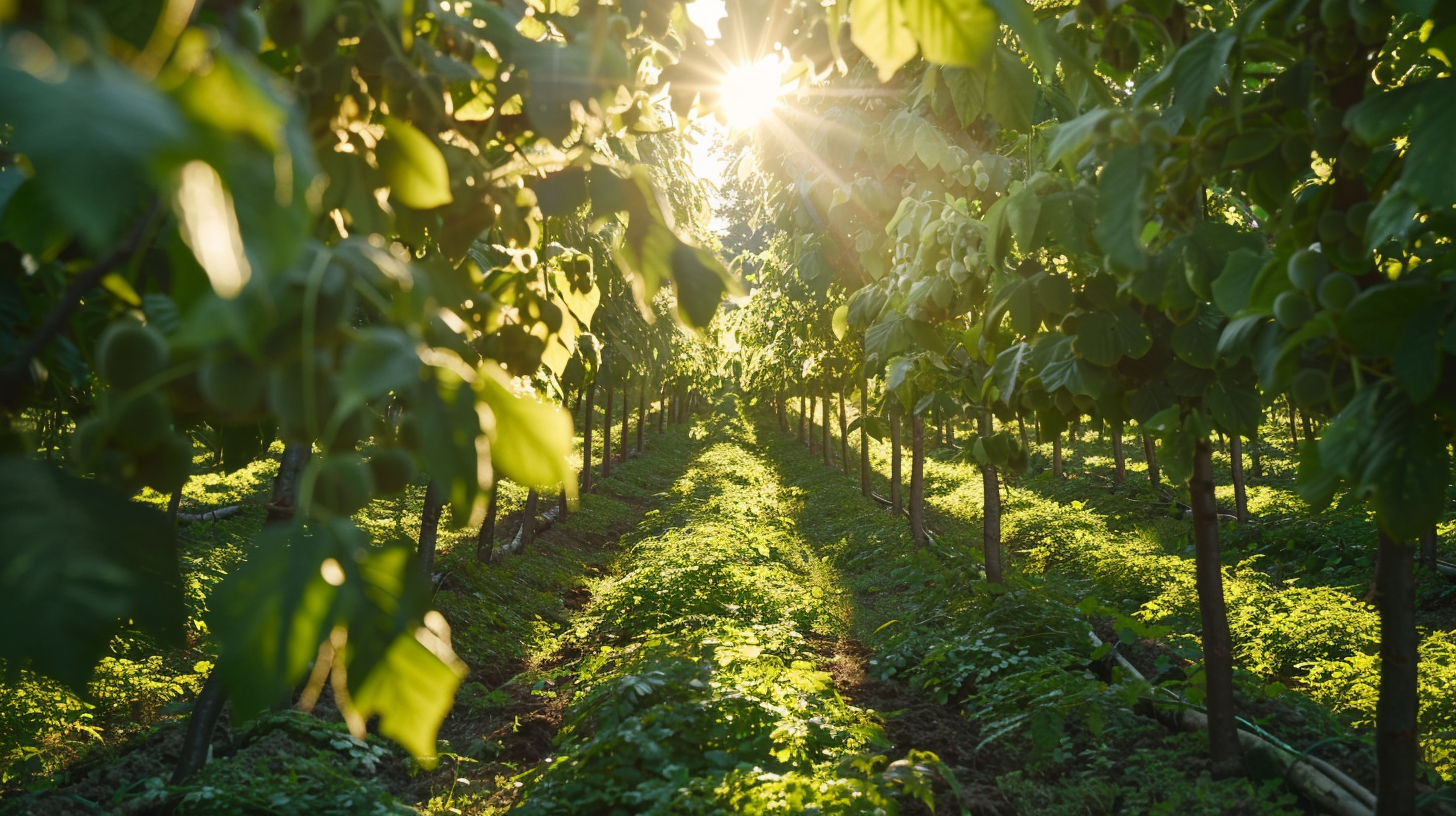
x=913 y=722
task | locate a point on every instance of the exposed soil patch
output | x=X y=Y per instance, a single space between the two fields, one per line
x=913 y=722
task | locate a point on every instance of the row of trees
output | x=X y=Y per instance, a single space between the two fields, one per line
x=1166 y=214
x=330 y=222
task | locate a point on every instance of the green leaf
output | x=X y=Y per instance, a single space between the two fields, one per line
x=1430 y=163
x=1392 y=218
x=1122 y=206
x=879 y=29
x=950 y=32
x=967 y=92
x=413 y=166
x=700 y=282
x=1418 y=360
x=1097 y=340
x=79 y=561
x=1010 y=92
x=531 y=440
x=1193 y=74
x=1005 y=372
x=840 y=321
x=1374 y=322
x=382 y=359
x=1407 y=470
x=1071 y=139
x=1022 y=210
x=1235 y=406
x=412 y=689
x=1232 y=286
x=1196 y=342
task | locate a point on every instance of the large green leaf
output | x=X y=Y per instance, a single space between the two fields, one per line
x=79 y=561
x=1374 y=322
x=1010 y=92
x=1407 y=470
x=1122 y=206
x=951 y=32
x=413 y=166
x=880 y=30
x=700 y=282
x=531 y=440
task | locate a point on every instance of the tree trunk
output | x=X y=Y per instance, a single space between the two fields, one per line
x=1218 y=666
x=950 y=430
x=1150 y=455
x=917 y=478
x=1256 y=465
x=1397 y=748
x=1428 y=549
x=843 y=435
x=284 y=501
x=203 y=721
x=895 y=505
x=1119 y=462
x=1293 y=431
x=485 y=537
x=607 y=435
x=626 y=419
x=824 y=421
x=864 y=437
x=939 y=427
x=1308 y=426
x=990 y=513
x=1236 y=464
x=586 y=435
x=783 y=411
x=662 y=411
x=528 y=519
x=1057 y=456
x=803 y=399
x=641 y=414
x=430 y=527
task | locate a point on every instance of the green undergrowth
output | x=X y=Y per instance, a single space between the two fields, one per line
x=1058 y=736
x=699 y=691
x=1302 y=631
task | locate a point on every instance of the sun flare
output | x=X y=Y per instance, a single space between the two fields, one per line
x=751 y=92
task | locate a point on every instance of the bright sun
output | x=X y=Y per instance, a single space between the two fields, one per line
x=752 y=91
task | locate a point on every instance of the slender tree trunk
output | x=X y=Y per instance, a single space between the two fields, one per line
x=824 y=420
x=1021 y=424
x=284 y=501
x=586 y=435
x=939 y=427
x=1256 y=465
x=1119 y=462
x=1293 y=431
x=174 y=504
x=1150 y=455
x=641 y=414
x=662 y=411
x=783 y=412
x=1218 y=667
x=950 y=424
x=1236 y=464
x=917 y=478
x=990 y=513
x=1057 y=456
x=895 y=505
x=843 y=435
x=864 y=437
x=1397 y=749
x=528 y=519
x=813 y=411
x=206 y=711
x=1308 y=426
x=626 y=419
x=1429 y=542
x=430 y=527
x=803 y=399
x=607 y=435
x=485 y=537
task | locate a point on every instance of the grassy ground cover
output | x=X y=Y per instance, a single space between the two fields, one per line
x=1304 y=629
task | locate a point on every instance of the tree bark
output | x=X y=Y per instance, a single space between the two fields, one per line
x=917 y=478
x=206 y=711
x=803 y=399
x=895 y=505
x=824 y=421
x=783 y=412
x=485 y=537
x=607 y=435
x=641 y=414
x=864 y=437
x=1218 y=666
x=586 y=435
x=990 y=513
x=1429 y=543
x=1256 y=465
x=284 y=502
x=813 y=432
x=662 y=411
x=939 y=427
x=1150 y=455
x=528 y=519
x=1119 y=462
x=1308 y=426
x=1397 y=749
x=1236 y=464
x=1293 y=431
x=843 y=435
x=1057 y=456
x=626 y=419
x=430 y=527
